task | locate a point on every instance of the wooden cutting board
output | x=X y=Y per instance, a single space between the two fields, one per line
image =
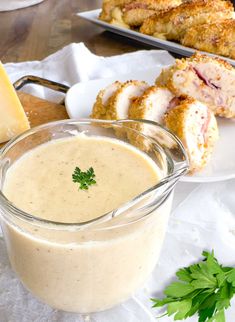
x=40 y=111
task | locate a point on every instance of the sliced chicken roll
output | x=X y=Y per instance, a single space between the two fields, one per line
x=152 y=105
x=196 y=126
x=102 y=100
x=209 y=80
x=120 y=102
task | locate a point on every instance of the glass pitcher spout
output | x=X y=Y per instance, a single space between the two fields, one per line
x=168 y=153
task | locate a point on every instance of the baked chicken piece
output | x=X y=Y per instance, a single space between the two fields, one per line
x=216 y=38
x=102 y=100
x=195 y=124
x=120 y=102
x=113 y=102
x=152 y=105
x=173 y=23
x=209 y=80
x=133 y=13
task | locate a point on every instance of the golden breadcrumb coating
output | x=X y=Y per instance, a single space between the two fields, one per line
x=119 y=103
x=101 y=104
x=135 y=17
x=196 y=127
x=173 y=23
x=152 y=105
x=143 y=104
x=216 y=38
x=137 y=11
x=209 y=80
x=133 y=13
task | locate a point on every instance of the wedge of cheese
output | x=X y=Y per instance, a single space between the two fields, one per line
x=13 y=120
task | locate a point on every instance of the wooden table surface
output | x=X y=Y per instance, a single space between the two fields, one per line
x=35 y=32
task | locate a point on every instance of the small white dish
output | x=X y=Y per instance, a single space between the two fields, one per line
x=81 y=97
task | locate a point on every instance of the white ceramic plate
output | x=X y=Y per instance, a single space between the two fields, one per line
x=93 y=15
x=81 y=97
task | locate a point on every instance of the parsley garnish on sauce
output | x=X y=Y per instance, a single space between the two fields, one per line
x=205 y=288
x=85 y=179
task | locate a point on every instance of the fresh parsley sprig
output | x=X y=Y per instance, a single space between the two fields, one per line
x=85 y=179
x=205 y=288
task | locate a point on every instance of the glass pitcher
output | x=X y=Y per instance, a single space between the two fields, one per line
x=92 y=266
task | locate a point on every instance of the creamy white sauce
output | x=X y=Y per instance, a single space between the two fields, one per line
x=86 y=270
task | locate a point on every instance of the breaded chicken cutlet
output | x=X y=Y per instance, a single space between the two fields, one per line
x=152 y=105
x=113 y=102
x=132 y=13
x=101 y=105
x=216 y=38
x=192 y=121
x=209 y=80
x=195 y=125
x=172 y=24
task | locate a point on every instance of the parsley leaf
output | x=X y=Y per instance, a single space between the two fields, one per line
x=85 y=179
x=205 y=288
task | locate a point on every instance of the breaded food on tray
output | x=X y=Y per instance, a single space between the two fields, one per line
x=172 y=24
x=132 y=13
x=195 y=124
x=216 y=38
x=209 y=80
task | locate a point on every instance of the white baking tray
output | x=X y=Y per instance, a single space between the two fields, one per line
x=93 y=15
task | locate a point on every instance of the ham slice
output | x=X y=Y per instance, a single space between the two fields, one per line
x=209 y=80
x=195 y=124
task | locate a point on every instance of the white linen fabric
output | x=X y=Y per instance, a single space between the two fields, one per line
x=203 y=215
x=8 y=5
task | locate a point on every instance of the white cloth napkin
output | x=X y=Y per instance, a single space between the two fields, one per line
x=203 y=215
x=7 y=5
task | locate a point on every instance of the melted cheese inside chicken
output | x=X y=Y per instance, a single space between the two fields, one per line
x=117 y=18
x=108 y=6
